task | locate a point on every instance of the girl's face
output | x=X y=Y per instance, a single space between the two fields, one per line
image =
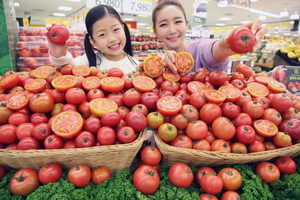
x=170 y=27
x=109 y=37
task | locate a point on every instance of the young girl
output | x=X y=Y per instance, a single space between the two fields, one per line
x=170 y=25
x=107 y=43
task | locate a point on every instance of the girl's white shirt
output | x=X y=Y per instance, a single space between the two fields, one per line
x=126 y=64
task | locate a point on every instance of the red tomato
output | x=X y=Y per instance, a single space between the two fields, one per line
x=94 y=94
x=169 y=86
x=53 y=142
x=190 y=111
x=245 y=96
x=142 y=108
x=229 y=195
x=200 y=173
x=197 y=99
x=180 y=121
x=182 y=141
x=125 y=134
x=50 y=173
x=8 y=134
x=131 y=97
x=9 y=81
x=2 y=172
x=220 y=145
x=28 y=143
x=286 y=165
x=169 y=105
x=100 y=174
x=217 y=78
x=149 y=99
x=272 y=115
x=75 y=96
x=282 y=139
x=181 y=175
x=110 y=119
x=256 y=146
x=69 y=144
x=242 y=119
x=80 y=175
x=151 y=155
x=41 y=103
x=92 y=124
x=68 y=107
x=238 y=147
x=128 y=81
x=202 y=144
x=18 y=118
x=24 y=182
x=155 y=119
x=211 y=184
x=106 y=135
x=167 y=132
x=245 y=134
x=207 y=197
x=196 y=129
x=237 y=83
x=58 y=96
x=136 y=120
x=5 y=112
x=264 y=101
x=146 y=179
x=58 y=34
x=84 y=139
x=241 y=40
x=230 y=110
x=281 y=102
x=254 y=109
x=292 y=126
x=232 y=179
x=223 y=128
x=267 y=171
x=24 y=130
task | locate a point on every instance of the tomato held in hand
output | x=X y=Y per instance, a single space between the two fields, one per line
x=24 y=182
x=241 y=40
x=58 y=34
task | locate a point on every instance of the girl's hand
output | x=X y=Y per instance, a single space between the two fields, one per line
x=169 y=60
x=58 y=51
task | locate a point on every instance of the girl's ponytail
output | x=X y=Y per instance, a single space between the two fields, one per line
x=89 y=50
x=127 y=48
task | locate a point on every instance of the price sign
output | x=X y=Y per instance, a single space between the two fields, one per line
x=284 y=28
x=116 y=4
x=138 y=7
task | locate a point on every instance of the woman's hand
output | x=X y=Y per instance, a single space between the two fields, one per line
x=169 y=60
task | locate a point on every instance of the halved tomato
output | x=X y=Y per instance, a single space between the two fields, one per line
x=112 y=84
x=263 y=79
x=9 y=81
x=35 y=85
x=265 y=127
x=100 y=106
x=143 y=83
x=257 y=89
x=17 y=100
x=64 y=82
x=196 y=86
x=184 y=62
x=169 y=105
x=91 y=82
x=170 y=76
x=232 y=93
x=276 y=86
x=67 y=124
x=214 y=96
x=42 y=72
x=81 y=70
x=153 y=66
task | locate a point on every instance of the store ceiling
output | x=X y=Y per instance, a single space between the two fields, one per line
x=40 y=10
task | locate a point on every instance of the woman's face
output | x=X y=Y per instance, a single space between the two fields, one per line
x=170 y=27
x=109 y=37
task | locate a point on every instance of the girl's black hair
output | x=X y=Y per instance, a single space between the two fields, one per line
x=95 y=14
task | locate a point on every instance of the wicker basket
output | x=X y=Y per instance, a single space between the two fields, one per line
x=115 y=157
x=198 y=158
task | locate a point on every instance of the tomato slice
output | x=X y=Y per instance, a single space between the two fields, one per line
x=112 y=84
x=276 y=86
x=64 y=82
x=17 y=100
x=265 y=127
x=214 y=96
x=67 y=124
x=42 y=72
x=91 y=82
x=35 y=85
x=100 y=106
x=81 y=70
x=143 y=83
x=263 y=79
x=232 y=93
x=9 y=81
x=257 y=89
x=153 y=66
x=169 y=105
x=184 y=62
x=196 y=86
x=170 y=76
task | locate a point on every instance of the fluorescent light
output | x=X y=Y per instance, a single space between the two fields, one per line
x=225 y=18
x=59 y=14
x=253 y=0
x=141 y=24
x=284 y=13
x=286 y=34
x=143 y=15
x=244 y=22
x=294 y=16
x=220 y=24
x=295 y=35
x=74 y=0
x=64 y=8
x=128 y=19
x=262 y=17
x=16 y=4
x=222 y=3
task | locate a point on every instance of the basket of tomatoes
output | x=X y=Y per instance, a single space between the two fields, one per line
x=235 y=118
x=64 y=116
